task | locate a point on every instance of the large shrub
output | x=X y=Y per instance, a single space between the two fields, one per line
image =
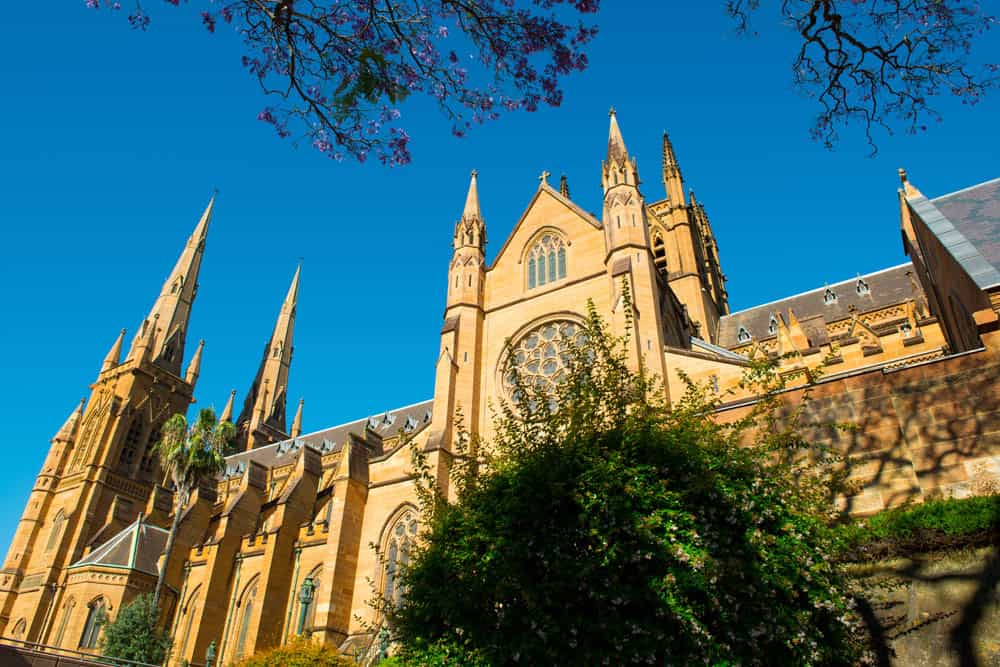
x=602 y=527
x=297 y=653
x=135 y=633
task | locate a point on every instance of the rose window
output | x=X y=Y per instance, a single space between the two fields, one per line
x=542 y=355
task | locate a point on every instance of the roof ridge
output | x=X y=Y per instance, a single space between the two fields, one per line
x=966 y=189
x=817 y=289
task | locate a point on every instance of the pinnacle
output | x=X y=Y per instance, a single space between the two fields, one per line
x=68 y=430
x=616 y=143
x=471 y=210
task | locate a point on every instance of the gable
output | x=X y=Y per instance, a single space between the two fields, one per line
x=548 y=214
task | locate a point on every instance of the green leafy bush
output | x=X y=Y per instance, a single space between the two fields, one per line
x=932 y=524
x=297 y=653
x=602 y=527
x=134 y=634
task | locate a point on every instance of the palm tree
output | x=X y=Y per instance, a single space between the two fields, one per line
x=189 y=456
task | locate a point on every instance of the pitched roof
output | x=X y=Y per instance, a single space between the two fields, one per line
x=410 y=419
x=968 y=223
x=885 y=288
x=137 y=547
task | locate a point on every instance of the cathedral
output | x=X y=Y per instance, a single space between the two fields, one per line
x=280 y=544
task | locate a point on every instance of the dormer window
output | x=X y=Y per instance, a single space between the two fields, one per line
x=546 y=261
x=743 y=335
x=862 y=287
x=772 y=326
x=905 y=330
x=829 y=297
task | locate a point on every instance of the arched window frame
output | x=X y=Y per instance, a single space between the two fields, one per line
x=829 y=297
x=862 y=287
x=68 y=608
x=188 y=612
x=245 y=609
x=743 y=335
x=395 y=551
x=97 y=610
x=19 y=629
x=56 y=531
x=659 y=251
x=545 y=258
x=772 y=325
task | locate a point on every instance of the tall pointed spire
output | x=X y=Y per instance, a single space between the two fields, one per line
x=471 y=229
x=262 y=419
x=297 y=422
x=471 y=210
x=619 y=168
x=564 y=186
x=72 y=423
x=173 y=306
x=194 y=368
x=114 y=354
x=673 y=181
x=227 y=412
x=616 y=143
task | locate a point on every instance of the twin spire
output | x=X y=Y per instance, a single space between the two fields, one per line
x=161 y=337
x=262 y=419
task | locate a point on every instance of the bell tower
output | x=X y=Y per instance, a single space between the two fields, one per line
x=100 y=470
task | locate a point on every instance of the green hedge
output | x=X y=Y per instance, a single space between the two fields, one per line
x=933 y=524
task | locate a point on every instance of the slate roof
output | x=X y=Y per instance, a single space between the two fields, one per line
x=410 y=419
x=968 y=223
x=885 y=288
x=137 y=547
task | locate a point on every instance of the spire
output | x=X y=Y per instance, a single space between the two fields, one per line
x=564 y=186
x=173 y=306
x=195 y=366
x=227 y=412
x=673 y=181
x=471 y=210
x=616 y=144
x=264 y=407
x=68 y=430
x=471 y=229
x=909 y=190
x=297 y=422
x=114 y=354
x=618 y=168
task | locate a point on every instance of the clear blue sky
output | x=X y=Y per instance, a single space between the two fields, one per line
x=111 y=142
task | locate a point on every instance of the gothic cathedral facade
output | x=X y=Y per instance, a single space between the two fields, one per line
x=279 y=544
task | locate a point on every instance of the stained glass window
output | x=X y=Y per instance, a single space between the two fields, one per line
x=546 y=261
x=540 y=357
x=397 y=550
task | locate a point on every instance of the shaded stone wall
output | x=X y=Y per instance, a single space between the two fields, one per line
x=925 y=429
x=935 y=610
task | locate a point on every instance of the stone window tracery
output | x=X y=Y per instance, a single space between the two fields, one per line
x=743 y=336
x=397 y=555
x=659 y=252
x=546 y=261
x=541 y=355
x=95 y=621
x=56 y=531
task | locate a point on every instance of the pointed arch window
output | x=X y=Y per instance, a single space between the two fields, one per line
x=772 y=326
x=862 y=287
x=743 y=335
x=68 y=609
x=247 y=613
x=130 y=445
x=659 y=252
x=19 y=629
x=399 y=540
x=56 y=532
x=546 y=261
x=96 y=615
x=829 y=297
